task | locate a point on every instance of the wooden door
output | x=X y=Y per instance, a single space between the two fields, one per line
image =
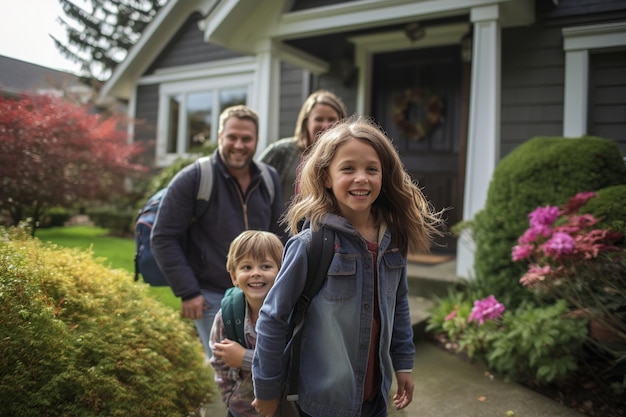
x=417 y=99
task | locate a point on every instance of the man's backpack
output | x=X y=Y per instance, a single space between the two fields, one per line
x=234 y=303
x=145 y=264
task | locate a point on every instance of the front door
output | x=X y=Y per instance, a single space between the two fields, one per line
x=417 y=99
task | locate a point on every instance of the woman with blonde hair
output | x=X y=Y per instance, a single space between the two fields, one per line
x=320 y=110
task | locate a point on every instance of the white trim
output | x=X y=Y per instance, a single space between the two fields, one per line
x=266 y=97
x=132 y=111
x=577 y=44
x=201 y=71
x=303 y=60
x=368 y=13
x=575 y=93
x=596 y=36
x=483 y=136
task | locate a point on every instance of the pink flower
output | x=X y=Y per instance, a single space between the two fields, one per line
x=522 y=252
x=529 y=236
x=486 y=309
x=535 y=275
x=543 y=216
x=451 y=315
x=576 y=202
x=559 y=244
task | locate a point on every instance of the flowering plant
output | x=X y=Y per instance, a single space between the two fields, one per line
x=559 y=243
x=571 y=259
x=528 y=343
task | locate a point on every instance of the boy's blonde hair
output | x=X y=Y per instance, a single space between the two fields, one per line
x=401 y=204
x=258 y=245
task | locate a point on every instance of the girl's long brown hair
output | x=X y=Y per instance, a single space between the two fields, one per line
x=401 y=204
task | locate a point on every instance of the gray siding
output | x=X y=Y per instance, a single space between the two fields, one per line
x=146 y=116
x=532 y=85
x=188 y=47
x=292 y=95
x=582 y=9
x=311 y=4
x=607 y=96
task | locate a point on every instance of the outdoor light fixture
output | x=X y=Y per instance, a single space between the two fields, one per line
x=414 y=31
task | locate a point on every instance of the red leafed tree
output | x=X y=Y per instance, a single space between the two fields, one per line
x=56 y=153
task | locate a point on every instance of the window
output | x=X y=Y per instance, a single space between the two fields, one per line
x=578 y=43
x=189 y=113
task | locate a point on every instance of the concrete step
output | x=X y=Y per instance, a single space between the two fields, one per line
x=420 y=313
x=426 y=282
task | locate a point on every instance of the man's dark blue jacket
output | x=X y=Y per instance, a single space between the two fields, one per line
x=192 y=252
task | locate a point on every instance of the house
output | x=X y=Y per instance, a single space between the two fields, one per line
x=20 y=77
x=457 y=84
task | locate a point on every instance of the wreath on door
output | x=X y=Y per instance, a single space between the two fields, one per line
x=432 y=114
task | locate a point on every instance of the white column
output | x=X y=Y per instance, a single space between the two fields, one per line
x=265 y=96
x=483 y=141
x=576 y=85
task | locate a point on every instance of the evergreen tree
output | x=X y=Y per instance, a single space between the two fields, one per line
x=101 y=32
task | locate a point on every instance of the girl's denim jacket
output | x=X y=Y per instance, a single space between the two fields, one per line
x=337 y=326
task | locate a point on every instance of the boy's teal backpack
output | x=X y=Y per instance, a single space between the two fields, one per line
x=234 y=302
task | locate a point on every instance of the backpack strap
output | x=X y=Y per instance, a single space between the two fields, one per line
x=205 y=165
x=233 y=314
x=320 y=255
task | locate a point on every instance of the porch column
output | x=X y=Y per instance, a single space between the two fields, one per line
x=483 y=141
x=576 y=85
x=265 y=97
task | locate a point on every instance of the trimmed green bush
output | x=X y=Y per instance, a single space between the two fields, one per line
x=115 y=220
x=543 y=170
x=610 y=208
x=56 y=216
x=80 y=339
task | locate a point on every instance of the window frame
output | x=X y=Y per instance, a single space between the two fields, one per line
x=228 y=77
x=578 y=43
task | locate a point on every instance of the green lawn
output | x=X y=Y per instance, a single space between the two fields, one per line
x=118 y=252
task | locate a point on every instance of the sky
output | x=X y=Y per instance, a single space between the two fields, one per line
x=24 y=33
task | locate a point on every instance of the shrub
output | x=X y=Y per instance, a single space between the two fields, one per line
x=115 y=220
x=543 y=170
x=56 y=216
x=537 y=343
x=610 y=208
x=79 y=339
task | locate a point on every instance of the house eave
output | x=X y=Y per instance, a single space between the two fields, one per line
x=158 y=33
x=238 y=24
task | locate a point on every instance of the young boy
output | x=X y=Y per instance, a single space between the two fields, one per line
x=253 y=261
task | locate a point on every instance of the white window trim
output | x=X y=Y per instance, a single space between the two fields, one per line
x=194 y=79
x=578 y=42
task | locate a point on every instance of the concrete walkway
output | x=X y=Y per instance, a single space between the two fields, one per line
x=446 y=386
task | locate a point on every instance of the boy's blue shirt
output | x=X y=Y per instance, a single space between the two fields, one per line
x=338 y=323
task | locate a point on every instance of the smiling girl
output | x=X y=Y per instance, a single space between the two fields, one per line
x=357 y=331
